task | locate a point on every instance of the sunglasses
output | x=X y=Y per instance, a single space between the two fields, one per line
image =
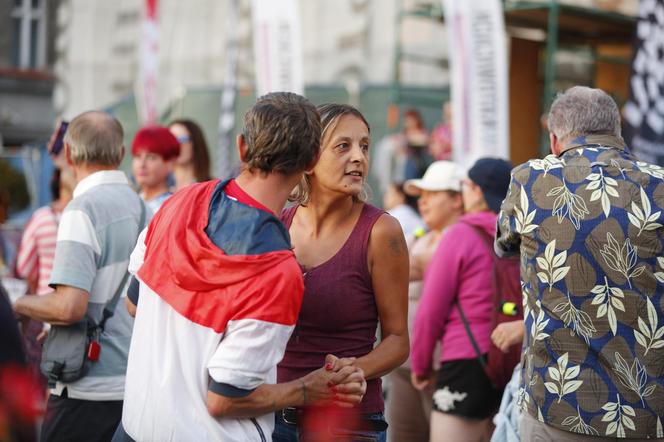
x=183 y=139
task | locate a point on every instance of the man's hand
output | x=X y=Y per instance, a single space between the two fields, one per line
x=423 y=382
x=338 y=382
x=507 y=334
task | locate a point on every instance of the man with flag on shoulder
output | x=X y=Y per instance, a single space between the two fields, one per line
x=217 y=292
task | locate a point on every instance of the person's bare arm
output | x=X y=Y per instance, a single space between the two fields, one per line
x=131 y=307
x=508 y=333
x=388 y=264
x=344 y=388
x=66 y=305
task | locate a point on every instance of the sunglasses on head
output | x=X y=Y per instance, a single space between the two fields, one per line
x=183 y=139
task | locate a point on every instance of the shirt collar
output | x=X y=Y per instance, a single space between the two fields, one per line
x=98 y=178
x=602 y=140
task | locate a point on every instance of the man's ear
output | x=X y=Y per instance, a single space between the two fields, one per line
x=68 y=155
x=554 y=143
x=241 y=145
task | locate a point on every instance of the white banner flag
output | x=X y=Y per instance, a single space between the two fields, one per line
x=277 y=46
x=478 y=65
x=149 y=64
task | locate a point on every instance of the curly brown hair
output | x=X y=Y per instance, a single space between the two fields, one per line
x=282 y=131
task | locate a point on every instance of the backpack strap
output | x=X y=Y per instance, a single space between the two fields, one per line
x=109 y=309
x=466 y=324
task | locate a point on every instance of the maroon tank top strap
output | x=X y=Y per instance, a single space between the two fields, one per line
x=358 y=243
x=368 y=218
x=287 y=215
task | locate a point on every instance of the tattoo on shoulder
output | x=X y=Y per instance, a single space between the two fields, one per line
x=396 y=245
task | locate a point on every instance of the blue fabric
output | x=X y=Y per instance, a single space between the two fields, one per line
x=133 y=290
x=229 y=390
x=508 y=418
x=284 y=432
x=121 y=435
x=239 y=229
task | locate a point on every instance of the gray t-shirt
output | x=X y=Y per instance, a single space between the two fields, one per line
x=96 y=235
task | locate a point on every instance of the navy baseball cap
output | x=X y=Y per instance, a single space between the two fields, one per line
x=493 y=177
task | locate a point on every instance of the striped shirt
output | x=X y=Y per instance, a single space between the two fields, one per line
x=37 y=249
x=97 y=233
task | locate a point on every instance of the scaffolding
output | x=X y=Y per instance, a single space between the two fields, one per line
x=563 y=27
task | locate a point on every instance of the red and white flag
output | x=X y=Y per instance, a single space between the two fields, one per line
x=277 y=46
x=149 y=64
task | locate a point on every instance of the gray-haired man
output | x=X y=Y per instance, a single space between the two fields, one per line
x=96 y=235
x=587 y=220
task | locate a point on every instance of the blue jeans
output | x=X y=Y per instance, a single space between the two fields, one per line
x=284 y=432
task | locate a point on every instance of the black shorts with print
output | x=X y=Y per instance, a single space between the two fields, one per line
x=463 y=389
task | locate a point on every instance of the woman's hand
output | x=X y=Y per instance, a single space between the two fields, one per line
x=507 y=334
x=339 y=382
x=423 y=382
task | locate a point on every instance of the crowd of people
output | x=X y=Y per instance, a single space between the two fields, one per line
x=272 y=304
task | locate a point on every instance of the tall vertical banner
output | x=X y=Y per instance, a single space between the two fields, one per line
x=149 y=64
x=644 y=112
x=478 y=66
x=277 y=46
x=226 y=127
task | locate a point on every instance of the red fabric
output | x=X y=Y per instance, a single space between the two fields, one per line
x=234 y=191
x=151 y=9
x=201 y=282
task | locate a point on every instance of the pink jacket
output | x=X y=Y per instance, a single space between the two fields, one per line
x=460 y=270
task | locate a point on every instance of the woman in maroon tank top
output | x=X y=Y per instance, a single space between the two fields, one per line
x=355 y=265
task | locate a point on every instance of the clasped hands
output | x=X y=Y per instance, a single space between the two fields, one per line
x=339 y=382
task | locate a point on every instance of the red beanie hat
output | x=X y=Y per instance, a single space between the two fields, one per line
x=156 y=139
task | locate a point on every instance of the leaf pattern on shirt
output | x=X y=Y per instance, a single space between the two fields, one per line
x=608 y=298
x=563 y=378
x=651 y=169
x=552 y=265
x=660 y=275
x=579 y=320
x=642 y=217
x=649 y=335
x=623 y=259
x=568 y=204
x=538 y=325
x=577 y=424
x=547 y=163
x=633 y=377
x=620 y=417
x=603 y=187
x=523 y=217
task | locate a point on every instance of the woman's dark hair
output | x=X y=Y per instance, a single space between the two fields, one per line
x=200 y=155
x=408 y=199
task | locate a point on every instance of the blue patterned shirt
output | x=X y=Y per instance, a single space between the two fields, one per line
x=588 y=226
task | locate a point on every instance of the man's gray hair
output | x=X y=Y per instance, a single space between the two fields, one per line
x=95 y=138
x=580 y=111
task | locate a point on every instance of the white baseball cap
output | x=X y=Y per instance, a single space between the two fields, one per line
x=440 y=175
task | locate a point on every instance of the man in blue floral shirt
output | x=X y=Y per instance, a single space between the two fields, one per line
x=588 y=223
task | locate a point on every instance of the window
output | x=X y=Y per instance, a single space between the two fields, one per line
x=28 y=34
